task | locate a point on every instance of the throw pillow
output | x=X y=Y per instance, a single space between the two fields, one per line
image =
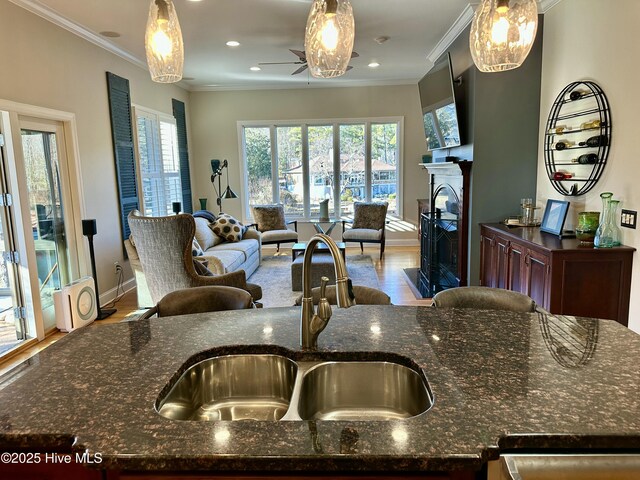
x=369 y=215
x=204 y=235
x=228 y=228
x=196 y=249
x=269 y=217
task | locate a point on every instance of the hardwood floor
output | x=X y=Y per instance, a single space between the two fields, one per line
x=390 y=275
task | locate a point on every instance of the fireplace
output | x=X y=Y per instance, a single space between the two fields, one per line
x=445 y=229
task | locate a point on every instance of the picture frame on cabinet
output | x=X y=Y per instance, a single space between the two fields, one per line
x=555 y=214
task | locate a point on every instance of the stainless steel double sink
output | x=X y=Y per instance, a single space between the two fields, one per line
x=271 y=387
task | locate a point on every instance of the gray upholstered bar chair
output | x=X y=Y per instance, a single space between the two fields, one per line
x=200 y=300
x=368 y=225
x=484 y=298
x=164 y=245
x=271 y=223
x=363 y=296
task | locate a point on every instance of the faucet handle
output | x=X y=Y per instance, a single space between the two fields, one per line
x=324 y=307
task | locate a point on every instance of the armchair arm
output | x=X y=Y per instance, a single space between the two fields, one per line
x=344 y=222
x=295 y=224
x=149 y=313
x=253 y=225
x=253 y=234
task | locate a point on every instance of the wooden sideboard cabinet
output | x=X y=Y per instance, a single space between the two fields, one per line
x=559 y=274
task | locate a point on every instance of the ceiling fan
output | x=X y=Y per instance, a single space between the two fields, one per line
x=302 y=61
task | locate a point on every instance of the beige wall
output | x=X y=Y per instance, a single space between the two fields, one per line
x=590 y=40
x=47 y=66
x=214 y=134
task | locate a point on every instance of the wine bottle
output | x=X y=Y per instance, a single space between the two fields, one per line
x=586 y=159
x=577 y=94
x=562 y=176
x=559 y=129
x=597 y=141
x=592 y=124
x=562 y=144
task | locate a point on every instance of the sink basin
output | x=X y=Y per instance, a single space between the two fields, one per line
x=370 y=390
x=233 y=387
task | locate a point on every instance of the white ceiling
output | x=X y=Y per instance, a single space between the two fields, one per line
x=266 y=30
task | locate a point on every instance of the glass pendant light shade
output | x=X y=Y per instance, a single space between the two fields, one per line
x=502 y=33
x=163 y=42
x=328 y=41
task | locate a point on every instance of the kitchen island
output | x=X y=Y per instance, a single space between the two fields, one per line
x=499 y=381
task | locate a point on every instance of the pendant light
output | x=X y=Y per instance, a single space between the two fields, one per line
x=329 y=37
x=163 y=42
x=502 y=33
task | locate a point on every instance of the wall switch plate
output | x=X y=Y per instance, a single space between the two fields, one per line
x=629 y=218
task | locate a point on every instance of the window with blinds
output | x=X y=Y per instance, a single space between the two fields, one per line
x=159 y=162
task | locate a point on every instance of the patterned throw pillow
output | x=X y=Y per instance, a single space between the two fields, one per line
x=228 y=228
x=269 y=217
x=196 y=249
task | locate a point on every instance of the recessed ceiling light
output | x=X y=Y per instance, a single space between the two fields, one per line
x=255 y=69
x=233 y=43
x=110 y=34
x=374 y=65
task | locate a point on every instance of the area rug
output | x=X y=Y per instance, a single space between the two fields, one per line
x=274 y=276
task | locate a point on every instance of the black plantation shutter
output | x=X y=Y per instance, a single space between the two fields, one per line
x=123 y=148
x=183 y=152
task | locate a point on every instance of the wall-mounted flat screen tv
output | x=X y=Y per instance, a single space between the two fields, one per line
x=438 y=103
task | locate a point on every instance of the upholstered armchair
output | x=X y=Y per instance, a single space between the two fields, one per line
x=200 y=300
x=270 y=222
x=484 y=298
x=368 y=224
x=164 y=246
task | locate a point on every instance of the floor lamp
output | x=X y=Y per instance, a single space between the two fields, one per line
x=89 y=229
x=216 y=168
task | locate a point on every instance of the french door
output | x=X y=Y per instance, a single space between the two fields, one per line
x=44 y=154
x=40 y=209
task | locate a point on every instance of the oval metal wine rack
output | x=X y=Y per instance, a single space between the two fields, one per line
x=592 y=105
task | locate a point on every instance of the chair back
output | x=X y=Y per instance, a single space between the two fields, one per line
x=202 y=300
x=363 y=296
x=164 y=246
x=484 y=298
x=369 y=215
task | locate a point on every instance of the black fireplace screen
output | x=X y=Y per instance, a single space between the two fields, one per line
x=439 y=243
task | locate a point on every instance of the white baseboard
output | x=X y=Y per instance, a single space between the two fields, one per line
x=110 y=295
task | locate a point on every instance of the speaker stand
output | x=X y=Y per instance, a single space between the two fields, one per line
x=106 y=312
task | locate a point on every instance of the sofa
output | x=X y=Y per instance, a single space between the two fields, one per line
x=217 y=255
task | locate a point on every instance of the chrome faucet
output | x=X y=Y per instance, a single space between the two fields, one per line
x=311 y=323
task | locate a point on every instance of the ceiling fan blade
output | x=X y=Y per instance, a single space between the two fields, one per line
x=354 y=54
x=300 y=70
x=300 y=54
x=282 y=63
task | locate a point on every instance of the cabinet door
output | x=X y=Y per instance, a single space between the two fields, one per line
x=502 y=262
x=537 y=273
x=515 y=280
x=487 y=260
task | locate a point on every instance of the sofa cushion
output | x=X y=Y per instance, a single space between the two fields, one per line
x=205 y=237
x=269 y=217
x=231 y=259
x=246 y=246
x=228 y=228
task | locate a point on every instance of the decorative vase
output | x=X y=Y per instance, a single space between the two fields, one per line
x=587 y=227
x=324 y=210
x=608 y=234
x=203 y=203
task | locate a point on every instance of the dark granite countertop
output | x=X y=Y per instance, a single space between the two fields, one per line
x=500 y=381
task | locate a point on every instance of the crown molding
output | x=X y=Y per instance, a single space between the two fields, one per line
x=297 y=86
x=54 y=17
x=545 y=5
x=456 y=29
